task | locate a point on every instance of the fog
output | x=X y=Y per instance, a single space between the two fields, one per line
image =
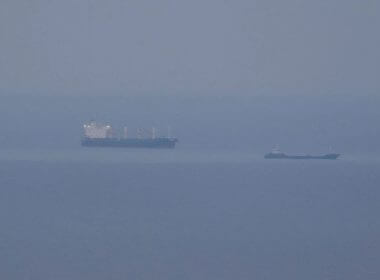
x=231 y=79
x=342 y=123
x=190 y=48
x=249 y=74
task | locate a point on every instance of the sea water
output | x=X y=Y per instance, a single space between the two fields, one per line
x=186 y=214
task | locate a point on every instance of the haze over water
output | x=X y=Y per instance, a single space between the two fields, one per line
x=212 y=208
x=232 y=79
x=168 y=216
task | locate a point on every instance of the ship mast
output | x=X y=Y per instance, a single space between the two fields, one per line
x=153 y=132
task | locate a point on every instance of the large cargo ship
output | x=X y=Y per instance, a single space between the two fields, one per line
x=100 y=135
x=276 y=154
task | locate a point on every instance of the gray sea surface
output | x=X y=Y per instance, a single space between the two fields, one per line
x=80 y=213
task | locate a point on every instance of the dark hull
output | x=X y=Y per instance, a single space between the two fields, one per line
x=168 y=143
x=284 y=156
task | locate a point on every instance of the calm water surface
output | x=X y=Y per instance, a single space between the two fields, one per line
x=186 y=214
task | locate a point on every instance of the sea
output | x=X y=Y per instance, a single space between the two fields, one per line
x=211 y=209
x=85 y=213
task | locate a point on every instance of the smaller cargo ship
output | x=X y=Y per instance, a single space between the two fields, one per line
x=100 y=135
x=276 y=154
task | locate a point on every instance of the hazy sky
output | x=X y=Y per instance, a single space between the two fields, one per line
x=189 y=47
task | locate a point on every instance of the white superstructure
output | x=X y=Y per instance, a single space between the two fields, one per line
x=96 y=130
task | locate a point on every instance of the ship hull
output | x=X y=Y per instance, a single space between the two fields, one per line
x=163 y=143
x=284 y=156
